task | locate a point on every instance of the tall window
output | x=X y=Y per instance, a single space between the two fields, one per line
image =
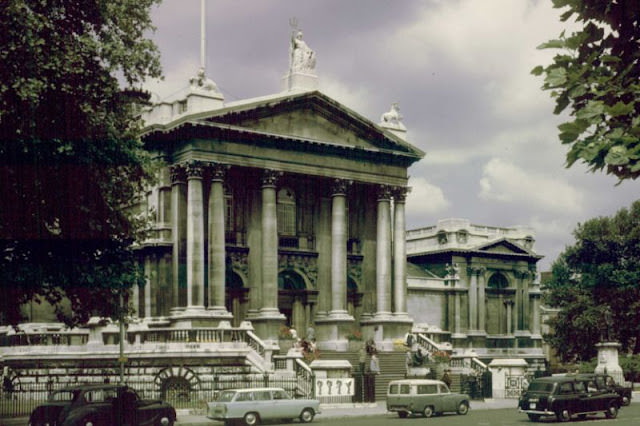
x=286 y=212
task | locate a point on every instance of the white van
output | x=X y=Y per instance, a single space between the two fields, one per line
x=426 y=397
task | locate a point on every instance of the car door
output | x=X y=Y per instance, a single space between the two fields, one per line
x=446 y=400
x=283 y=405
x=263 y=404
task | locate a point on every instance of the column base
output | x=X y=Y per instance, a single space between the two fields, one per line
x=332 y=330
x=198 y=316
x=267 y=323
x=387 y=329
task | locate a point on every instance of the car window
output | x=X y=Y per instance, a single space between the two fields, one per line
x=592 y=386
x=405 y=389
x=226 y=396
x=580 y=387
x=280 y=394
x=63 y=396
x=393 y=389
x=566 y=388
x=262 y=396
x=600 y=382
x=540 y=387
x=244 y=396
x=443 y=388
x=427 y=389
x=100 y=395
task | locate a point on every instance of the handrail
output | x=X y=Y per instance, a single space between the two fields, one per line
x=255 y=343
x=478 y=366
x=305 y=374
x=428 y=344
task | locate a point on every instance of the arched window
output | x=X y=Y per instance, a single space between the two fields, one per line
x=498 y=281
x=286 y=207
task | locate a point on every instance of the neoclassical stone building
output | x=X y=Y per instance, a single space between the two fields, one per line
x=479 y=287
x=277 y=210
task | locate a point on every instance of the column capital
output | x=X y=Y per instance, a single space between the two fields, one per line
x=340 y=186
x=218 y=171
x=194 y=169
x=269 y=178
x=384 y=192
x=400 y=193
x=177 y=174
x=522 y=274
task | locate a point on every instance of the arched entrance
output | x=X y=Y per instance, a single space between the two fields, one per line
x=294 y=300
x=496 y=321
x=235 y=297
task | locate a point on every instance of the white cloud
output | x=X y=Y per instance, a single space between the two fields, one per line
x=503 y=181
x=352 y=96
x=425 y=198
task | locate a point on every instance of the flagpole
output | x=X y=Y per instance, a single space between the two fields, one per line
x=202 y=34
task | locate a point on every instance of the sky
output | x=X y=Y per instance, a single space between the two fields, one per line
x=460 y=72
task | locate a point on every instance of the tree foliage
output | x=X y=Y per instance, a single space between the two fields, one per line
x=596 y=75
x=599 y=273
x=70 y=157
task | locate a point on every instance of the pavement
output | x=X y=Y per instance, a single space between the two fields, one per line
x=328 y=411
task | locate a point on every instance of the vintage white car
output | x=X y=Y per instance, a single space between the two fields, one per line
x=426 y=397
x=254 y=405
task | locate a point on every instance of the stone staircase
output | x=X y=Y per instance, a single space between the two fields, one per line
x=392 y=367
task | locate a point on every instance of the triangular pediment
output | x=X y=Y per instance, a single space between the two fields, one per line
x=502 y=246
x=310 y=116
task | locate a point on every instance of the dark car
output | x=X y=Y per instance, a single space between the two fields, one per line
x=101 y=405
x=565 y=397
x=603 y=381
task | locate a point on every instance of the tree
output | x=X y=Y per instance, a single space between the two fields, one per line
x=596 y=74
x=70 y=158
x=599 y=273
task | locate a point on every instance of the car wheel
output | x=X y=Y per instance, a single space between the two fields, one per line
x=463 y=408
x=563 y=415
x=612 y=411
x=533 y=417
x=307 y=415
x=251 y=419
x=428 y=411
x=402 y=414
x=626 y=400
x=89 y=421
x=165 y=421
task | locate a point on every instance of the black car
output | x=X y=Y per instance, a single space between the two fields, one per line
x=101 y=405
x=567 y=396
x=603 y=381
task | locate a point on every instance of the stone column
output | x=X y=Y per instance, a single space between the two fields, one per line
x=217 y=253
x=400 y=253
x=269 y=225
x=338 y=247
x=456 y=302
x=481 y=300
x=383 y=252
x=195 y=236
x=536 y=315
x=517 y=305
x=526 y=309
x=473 y=298
x=179 y=234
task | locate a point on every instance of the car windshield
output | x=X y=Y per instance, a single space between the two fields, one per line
x=540 y=387
x=226 y=396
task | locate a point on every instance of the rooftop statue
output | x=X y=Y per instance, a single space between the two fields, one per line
x=303 y=59
x=200 y=81
x=392 y=118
